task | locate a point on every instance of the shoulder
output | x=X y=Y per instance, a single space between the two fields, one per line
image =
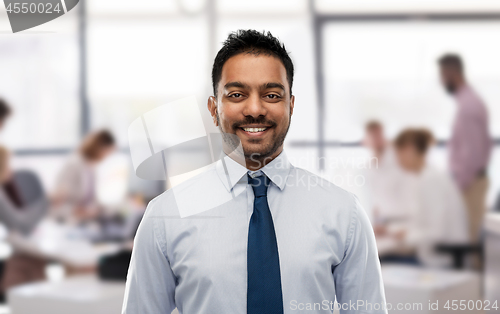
x=71 y=169
x=165 y=204
x=471 y=103
x=74 y=161
x=336 y=205
x=326 y=203
x=314 y=182
x=319 y=188
x=430 y=171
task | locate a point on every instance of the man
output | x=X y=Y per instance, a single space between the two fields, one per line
x=5 y=112
x=470 y=144
x=289 y=242
x=375 y=140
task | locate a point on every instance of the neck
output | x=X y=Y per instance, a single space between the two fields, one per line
x=252 y=163
x=461 y=84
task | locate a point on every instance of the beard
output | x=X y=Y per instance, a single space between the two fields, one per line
x=233 y=141
x=450 y=88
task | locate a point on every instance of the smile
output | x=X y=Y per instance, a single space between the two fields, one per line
x=254 y=130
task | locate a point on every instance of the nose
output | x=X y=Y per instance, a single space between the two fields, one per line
x=255 y=107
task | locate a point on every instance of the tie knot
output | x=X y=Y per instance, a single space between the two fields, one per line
x=259 y=185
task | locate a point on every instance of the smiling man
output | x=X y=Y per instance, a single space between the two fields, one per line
x=254 y=102
x=286 y=242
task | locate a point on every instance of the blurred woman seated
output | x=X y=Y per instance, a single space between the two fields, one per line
x=14 y=214
x=21 y=218
x=433 y=211
x=74 y=198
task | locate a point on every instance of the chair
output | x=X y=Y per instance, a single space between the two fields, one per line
x=459 y=252
x=29 y=186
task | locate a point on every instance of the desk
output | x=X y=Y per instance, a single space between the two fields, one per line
x=75 y=295
x=87 y=294
x=492 y=257
x=413 y=285
x=53 y=241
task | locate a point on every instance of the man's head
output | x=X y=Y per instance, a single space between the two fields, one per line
x=374 y=137
x=4 y=112
x=452 y=72
x=252 y=80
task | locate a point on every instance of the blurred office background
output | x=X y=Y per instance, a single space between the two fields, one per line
x=105 y=63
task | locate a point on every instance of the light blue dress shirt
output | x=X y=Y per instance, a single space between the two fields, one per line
x=198 y=263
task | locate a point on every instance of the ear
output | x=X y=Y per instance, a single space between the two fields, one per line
x=292 y=104
x=212 y=107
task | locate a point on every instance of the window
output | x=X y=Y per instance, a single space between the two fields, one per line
x=406 y=6
x=388 y=71
x=139 y=59
x=40 y=79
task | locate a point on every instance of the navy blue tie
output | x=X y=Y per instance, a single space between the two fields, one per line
x=264 y=281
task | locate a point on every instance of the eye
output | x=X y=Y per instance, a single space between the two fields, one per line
x=273 y=96
x=236 y=95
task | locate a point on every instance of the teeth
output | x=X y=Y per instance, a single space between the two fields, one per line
x=254 y=130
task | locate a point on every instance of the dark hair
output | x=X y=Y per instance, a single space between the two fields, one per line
x=250 y=41
x=451 y=60
x=4 y=109
x=96 y=141
x=373 y=125
x=421 y=139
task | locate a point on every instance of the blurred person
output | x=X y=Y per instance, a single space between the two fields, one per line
x=74 y=198
x=375 y=140
x=470 y=144
x=277 y=241
x=20 y=268
x=384 y=174
x=21 y=218
x=5 y=112
x=17 y=217
x=8 y=185
x=439 y=215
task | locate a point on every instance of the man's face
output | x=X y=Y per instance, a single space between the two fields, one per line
x=449 y=79
x=375 y=139
x=254 y=103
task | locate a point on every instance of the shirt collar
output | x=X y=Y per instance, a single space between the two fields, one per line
x=464 y=89
x=231 y=172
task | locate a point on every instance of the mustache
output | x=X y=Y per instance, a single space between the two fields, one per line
x=252 y=120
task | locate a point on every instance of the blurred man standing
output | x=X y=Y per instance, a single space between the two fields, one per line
x=470 y=143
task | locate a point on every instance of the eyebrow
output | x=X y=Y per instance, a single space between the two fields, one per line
x=263 y=86
x=235 y=84
x=273 y=85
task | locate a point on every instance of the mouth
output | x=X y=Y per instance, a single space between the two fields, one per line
x=255 y=130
